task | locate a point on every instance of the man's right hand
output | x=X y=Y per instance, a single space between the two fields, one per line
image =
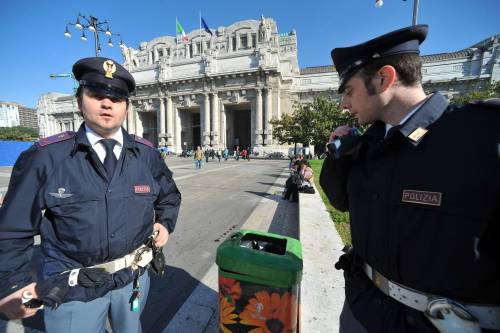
x=340 y=131
x=12 y=306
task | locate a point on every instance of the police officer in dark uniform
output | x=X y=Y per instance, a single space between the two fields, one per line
x=103 y=202
x=422 y=185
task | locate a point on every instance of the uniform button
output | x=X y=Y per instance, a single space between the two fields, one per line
x=113 y=235
x=374 y=196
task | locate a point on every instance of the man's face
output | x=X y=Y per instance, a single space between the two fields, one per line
x=104 y=115
x=365 y=107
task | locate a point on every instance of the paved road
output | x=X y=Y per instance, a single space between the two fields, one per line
x=215 y=201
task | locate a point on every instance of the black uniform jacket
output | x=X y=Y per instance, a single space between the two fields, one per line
x=87 y=218
x=425 y=214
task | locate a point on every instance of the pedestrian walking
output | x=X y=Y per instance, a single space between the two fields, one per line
x=198 y=157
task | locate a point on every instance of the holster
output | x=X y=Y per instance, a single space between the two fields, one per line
x=349 y=262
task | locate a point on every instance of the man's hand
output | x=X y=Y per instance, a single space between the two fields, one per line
x=12 y=306
x=340 y=131
x=162 y=237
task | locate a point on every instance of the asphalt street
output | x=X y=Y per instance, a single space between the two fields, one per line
x=216 y=200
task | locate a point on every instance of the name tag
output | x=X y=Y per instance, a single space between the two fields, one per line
x=142 y=189
x=422 y=197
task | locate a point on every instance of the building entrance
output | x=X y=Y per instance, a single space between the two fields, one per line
x=191 y=130
x=239 y=120
x=149 y=126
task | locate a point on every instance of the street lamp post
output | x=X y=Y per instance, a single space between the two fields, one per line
x=95 y=26
x=380 y=3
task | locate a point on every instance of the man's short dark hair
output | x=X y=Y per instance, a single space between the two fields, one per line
x=407 y=65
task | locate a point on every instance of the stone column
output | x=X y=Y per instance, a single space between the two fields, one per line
x=150 y=57
x=178 y=130
x=170 y=122
x=162 y=122
x=223 y=139
x=269 y=115
x=206 y=123
x=258 y=117
x=131 y=119
x=215 y=120
x=139 y=130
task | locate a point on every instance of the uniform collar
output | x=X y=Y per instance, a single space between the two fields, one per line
x=415 y=128
x=94 y=138
x=82 y=141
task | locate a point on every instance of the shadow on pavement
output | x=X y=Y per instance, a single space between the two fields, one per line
x=166 y=296
x=271 y=184
x=278 y=176
x=265 y=195
x=286 y=218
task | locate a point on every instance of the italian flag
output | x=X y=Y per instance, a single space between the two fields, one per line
x=180 y=30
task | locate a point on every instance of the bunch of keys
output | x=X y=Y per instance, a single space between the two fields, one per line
x=135 y=304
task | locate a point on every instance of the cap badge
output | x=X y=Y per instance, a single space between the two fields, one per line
x=417 y=134
x=110 y=67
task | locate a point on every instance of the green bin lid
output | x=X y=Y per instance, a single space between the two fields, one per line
x=261 y=257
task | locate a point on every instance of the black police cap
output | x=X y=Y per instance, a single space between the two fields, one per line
x=104 y=76
x=349 y=60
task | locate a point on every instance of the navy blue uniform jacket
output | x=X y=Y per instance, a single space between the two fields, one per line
x=425 y=214
x=60 y=190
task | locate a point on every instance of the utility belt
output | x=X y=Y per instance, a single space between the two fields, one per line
x=446 y=315
x=95 y=281
x=139 y=258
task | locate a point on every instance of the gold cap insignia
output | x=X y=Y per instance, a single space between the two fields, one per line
x=417 y=134
x=110 y=67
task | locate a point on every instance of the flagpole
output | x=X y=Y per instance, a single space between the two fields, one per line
x=201 y=41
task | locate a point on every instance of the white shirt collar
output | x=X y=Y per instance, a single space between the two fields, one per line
x=405 y=118
x=94 y=138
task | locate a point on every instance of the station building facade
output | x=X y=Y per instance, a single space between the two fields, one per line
x=222 y=89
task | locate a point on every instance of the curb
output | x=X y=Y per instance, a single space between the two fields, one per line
x=322 y=289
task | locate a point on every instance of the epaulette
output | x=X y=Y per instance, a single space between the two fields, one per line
x=490 y=103
x=143 y=141
x=56 y=138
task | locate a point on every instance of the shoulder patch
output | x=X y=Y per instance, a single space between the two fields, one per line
x=56 y=138
x=143 y=141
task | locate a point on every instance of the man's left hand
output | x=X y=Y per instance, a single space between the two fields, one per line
x=162 y=237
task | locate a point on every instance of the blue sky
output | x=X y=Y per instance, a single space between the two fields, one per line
x=33 y=45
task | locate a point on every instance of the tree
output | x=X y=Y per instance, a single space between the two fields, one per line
x=18 y=133
x=311 y=123
x=490 y=91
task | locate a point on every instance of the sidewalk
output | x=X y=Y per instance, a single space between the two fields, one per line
x=322 y=287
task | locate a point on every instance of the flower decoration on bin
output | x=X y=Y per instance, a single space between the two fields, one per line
x=271 y=313
x=226 y=314
x=230 y=289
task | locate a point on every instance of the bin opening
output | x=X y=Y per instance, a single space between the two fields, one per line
x=264 y=243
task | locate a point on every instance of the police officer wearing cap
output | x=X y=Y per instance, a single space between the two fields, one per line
x=422 y=185
x=102 y=200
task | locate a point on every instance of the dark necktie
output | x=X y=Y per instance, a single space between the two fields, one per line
x=110 y=159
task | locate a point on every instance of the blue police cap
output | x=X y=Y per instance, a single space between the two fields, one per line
x=349 y=60
x=104 y=76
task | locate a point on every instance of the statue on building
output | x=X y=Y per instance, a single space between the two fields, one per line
x=165 y=69
x=129 y=56
x=264 y=30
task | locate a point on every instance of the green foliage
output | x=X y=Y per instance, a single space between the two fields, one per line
x=18 y=133
x=311 y=123
x=339 y=219
x=490 y=91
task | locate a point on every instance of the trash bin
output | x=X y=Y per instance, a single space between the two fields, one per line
x=259 y=277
